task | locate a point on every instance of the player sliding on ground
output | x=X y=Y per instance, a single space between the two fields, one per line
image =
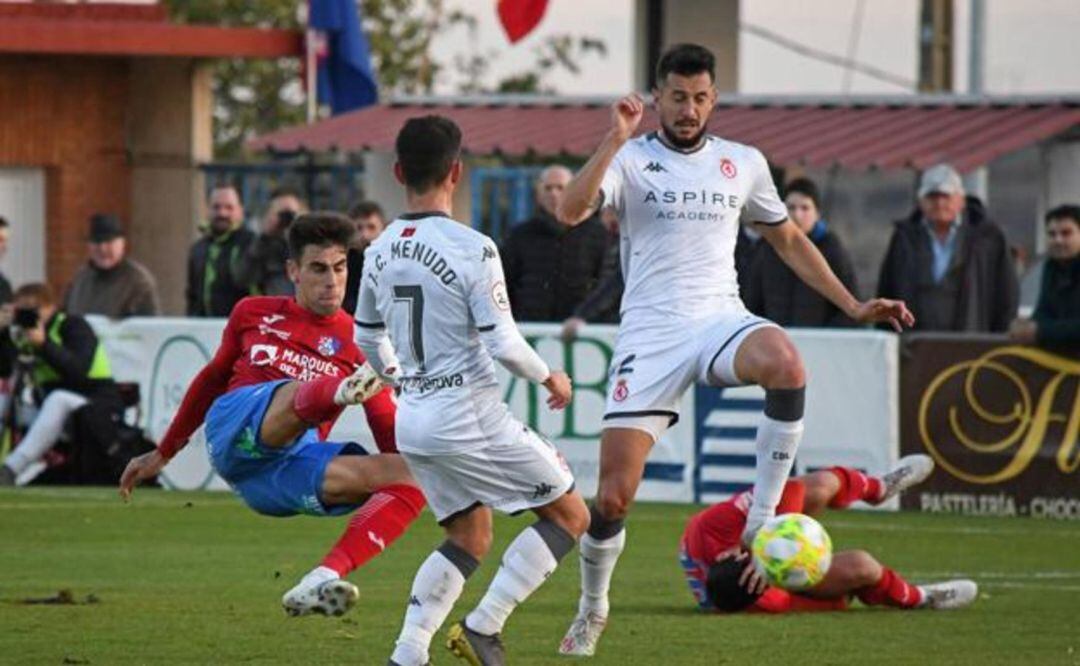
x=436 y=287
x=722 y=577
x=284 y=372
x=679 y=194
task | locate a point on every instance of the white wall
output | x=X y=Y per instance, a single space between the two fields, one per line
x=22 y=203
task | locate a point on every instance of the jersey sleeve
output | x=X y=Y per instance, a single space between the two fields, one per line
x=763 y=204
x=207 y=386
x=612 y=187
x=371 y=336
x=489 y=305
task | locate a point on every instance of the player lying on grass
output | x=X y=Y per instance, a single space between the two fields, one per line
x=285 y=370
x=722 y=577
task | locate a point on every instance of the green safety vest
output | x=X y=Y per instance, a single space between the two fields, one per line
x=43 y=373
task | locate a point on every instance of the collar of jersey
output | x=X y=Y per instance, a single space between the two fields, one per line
x=682 y=151
x=409 y=217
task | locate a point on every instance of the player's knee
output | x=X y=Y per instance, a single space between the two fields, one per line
x=784 y=369
x=575 y=519
x=612 y=503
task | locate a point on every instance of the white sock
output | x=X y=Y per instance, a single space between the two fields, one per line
x=526 y=564
x=319 y=574
x=598 y=559
x=776 y=444
x=437 y=585
x=46 y=429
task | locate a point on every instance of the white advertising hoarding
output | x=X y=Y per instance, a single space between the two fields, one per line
x=851 y=406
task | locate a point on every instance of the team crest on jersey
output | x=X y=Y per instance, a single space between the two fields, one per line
x=328 y=345
x=408 y=232
x=500 y=297
x=727 y=167
x=621 y=391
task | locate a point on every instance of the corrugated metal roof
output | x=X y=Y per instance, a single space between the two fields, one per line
x=856 y=133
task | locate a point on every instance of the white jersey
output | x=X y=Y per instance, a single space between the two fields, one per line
x=679 y=214
x=437 y=286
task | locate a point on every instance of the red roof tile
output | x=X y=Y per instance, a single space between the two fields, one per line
x=883 y=133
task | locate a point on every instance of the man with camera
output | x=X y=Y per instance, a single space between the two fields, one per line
x=262 y=268
x=65 y=363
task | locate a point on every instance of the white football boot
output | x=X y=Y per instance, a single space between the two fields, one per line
x=320 y=592
x=583 y=635
x=362 y=384
x=909 y=471
x=949 y=595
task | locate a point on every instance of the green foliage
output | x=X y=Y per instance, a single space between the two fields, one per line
x=257 y=96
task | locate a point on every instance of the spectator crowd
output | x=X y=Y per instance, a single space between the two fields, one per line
x=947 y=259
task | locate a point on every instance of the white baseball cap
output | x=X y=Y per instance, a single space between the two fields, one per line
x=940 y=179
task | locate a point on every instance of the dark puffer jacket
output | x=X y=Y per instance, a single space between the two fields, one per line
x=550 y=268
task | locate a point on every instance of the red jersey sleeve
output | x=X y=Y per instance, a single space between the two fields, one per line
x=211 y=382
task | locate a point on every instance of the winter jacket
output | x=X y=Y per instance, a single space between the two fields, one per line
x=980 y=284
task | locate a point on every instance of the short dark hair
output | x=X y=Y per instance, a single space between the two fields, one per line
x=722 y=586
x=686 y=60
x=285 y=191
x=323 y=229
x=1064 y=212
x=365 y=208
x=426 y=149
x=39 y=291
x=805 y=187
x=4 y=224
x=228 y=186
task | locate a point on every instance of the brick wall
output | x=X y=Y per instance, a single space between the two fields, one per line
x=67 y=115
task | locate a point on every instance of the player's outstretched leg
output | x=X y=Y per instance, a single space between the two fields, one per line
x=623 y=452
x=394 y=503
x=768 y=358
x=527 y=562
x=858 y=572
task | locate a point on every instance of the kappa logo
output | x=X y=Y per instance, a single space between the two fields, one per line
x=415 y=601
x=655 y=167
x=263 y=354
x=489 y=253
x=542 y=490
x=727 y=167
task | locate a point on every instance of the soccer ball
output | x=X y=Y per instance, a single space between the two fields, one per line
x=792 y=551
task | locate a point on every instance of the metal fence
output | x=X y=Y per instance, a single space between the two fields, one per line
x=322 y=186
x=501 y=198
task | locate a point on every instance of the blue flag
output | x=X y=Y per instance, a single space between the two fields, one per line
x=345 y=77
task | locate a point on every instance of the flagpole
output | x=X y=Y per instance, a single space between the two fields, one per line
x=311 y=63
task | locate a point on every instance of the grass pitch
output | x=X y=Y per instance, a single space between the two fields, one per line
x=196 y=578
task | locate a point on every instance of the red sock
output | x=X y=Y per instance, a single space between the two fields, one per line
x=891 y=590
x=314 y=400
x=381 y=410
x=375 y=525
x=854 y=485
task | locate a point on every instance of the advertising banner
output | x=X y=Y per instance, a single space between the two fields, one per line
x=851 y=406
x=1001 y=422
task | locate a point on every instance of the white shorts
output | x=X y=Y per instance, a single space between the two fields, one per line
x=528 y=473
x=653 y=366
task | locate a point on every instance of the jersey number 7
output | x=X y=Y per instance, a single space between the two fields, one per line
x=413 y=296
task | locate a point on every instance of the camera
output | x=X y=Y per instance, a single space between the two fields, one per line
x=26 y=317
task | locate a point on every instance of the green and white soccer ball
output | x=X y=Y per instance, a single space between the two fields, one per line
x=792 y=551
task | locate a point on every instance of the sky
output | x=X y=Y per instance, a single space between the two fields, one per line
x=1032 y=45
